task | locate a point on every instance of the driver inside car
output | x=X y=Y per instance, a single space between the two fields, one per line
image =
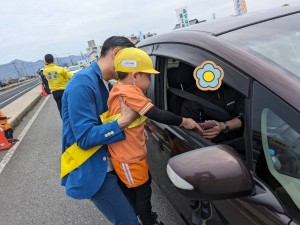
x=217 y=127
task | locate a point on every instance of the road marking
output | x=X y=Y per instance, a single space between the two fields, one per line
x=11 y=151
x=12 y=86
x=18 y=94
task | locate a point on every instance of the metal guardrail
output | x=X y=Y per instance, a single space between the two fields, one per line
x=15 y=85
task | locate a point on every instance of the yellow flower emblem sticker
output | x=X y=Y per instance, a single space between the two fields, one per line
x=208 y=76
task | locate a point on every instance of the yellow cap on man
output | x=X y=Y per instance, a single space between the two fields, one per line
x=133 y=60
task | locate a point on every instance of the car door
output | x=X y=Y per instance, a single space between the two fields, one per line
x=168 y=141
x=163 y=142
x=274 y=141
x=276 y=148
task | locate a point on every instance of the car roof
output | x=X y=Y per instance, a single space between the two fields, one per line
x=222 y=25
x=205 y=37
x=227 y=24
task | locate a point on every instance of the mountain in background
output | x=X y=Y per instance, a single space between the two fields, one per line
x=19 y=68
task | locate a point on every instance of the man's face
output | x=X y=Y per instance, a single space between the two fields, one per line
x=114 y=52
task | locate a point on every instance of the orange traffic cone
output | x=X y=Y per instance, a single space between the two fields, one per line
x=4 y=144
x=44 y=93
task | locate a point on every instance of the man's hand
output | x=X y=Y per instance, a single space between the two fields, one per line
x=190 y=124
x=214 y=131
x=127 y=115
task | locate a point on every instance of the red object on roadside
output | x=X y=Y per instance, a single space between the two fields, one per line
x=4 y=143
x=44 y=93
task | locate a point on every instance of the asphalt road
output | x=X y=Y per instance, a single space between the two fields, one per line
x=30 y=191
x=10 y=95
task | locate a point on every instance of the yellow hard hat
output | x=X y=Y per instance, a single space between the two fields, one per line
x=134 y=60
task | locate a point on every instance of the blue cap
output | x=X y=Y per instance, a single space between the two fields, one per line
x=271 y=152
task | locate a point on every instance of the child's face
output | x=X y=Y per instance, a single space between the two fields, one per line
x=142 y=80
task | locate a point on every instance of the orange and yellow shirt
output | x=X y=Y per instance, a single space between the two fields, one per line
x=133 y=148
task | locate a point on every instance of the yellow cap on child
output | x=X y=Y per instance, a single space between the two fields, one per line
x=134 y=60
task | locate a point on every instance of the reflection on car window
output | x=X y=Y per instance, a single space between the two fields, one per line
x=278 y=40
x=276 y=138
x=283 y=49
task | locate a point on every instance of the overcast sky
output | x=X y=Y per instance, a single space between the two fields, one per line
x=32 y=28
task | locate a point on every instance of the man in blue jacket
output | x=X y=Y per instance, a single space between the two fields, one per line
x=87 y=172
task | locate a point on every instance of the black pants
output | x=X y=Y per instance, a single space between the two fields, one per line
x=140 y=199
x=9 y=133
x=57 y=95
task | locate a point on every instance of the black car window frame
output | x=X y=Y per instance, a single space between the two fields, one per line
x=151 y=90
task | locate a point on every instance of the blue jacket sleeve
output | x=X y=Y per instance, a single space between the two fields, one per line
x=84 y=107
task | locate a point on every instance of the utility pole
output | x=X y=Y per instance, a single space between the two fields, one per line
x=24 y=68
x=33 y=71
x=16 y=68
x=70 y=59
x=57 y=60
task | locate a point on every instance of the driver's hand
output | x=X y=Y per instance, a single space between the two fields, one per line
x=214 y=131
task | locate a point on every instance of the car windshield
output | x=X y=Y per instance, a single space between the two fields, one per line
x=73 y=68
x=277 y=40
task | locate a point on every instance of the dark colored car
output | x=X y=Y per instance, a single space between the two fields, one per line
x=259 y=181
x=3 y=83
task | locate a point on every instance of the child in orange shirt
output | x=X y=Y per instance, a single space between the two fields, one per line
x=129 y=157
x=6 y=127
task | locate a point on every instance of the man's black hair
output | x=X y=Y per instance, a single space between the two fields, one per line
x=49 y=58
x=114 y=42
x=122 y=75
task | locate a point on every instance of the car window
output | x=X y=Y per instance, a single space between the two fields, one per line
x=227 y=103
x=276 y=144
x=194 y=56
x=277 y=40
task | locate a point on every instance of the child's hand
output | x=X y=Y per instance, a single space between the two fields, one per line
x=190 y=124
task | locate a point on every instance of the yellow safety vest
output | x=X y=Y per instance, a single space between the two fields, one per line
x=74 y=156
x=58 y=77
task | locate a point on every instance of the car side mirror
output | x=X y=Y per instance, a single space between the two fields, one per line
x=210 y=173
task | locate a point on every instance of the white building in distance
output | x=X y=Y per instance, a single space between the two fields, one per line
x=93 y=51
x=137 y=38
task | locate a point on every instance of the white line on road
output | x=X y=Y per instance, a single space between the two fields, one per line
x=17 y=94
x=11 y=151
